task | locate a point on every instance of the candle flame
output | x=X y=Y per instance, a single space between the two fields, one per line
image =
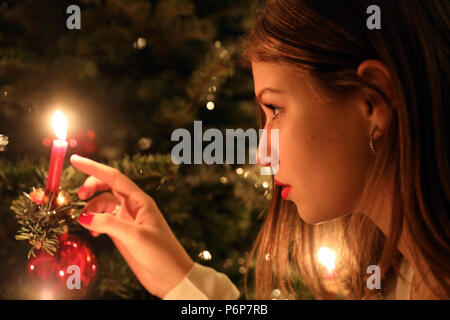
x=327 y=258
x=59 y=123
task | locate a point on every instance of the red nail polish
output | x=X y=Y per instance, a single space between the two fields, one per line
x=86 y=218
x=82 y=189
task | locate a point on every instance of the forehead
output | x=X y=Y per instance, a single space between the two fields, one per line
x=264 y=71
x=275 y=75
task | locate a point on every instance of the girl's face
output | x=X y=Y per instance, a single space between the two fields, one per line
x=323 y=144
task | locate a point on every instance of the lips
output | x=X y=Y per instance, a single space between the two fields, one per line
x=285 y=189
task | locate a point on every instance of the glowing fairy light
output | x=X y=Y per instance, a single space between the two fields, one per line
x=205 y=255
x=327 y=258
x=61 y=199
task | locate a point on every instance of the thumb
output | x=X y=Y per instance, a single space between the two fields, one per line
x=106 y=223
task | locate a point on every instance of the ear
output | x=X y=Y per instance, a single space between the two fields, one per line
x=378 y=103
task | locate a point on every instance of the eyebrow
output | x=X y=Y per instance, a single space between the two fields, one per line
x=266 y=90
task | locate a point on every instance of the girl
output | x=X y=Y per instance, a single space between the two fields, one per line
x=363 y=157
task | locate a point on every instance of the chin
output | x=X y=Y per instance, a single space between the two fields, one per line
x=312 y=220
x=314 y=217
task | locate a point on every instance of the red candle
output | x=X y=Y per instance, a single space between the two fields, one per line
x=58 y=153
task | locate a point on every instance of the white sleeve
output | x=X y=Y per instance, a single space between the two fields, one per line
x=204 y=283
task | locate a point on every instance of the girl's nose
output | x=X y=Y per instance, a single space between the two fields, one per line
x=264 y=151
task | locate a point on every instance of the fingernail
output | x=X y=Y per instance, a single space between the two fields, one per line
x=86 y=218
x=81 y=190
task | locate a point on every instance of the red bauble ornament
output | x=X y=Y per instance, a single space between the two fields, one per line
x=69 y=274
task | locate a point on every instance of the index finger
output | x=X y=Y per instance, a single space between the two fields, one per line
x=90 y=186
x=111 y=176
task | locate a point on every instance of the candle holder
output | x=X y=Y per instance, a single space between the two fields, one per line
x=50 y=200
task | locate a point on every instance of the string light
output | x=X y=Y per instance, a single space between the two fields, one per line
x=223 y=54
x=90 y=134
x=327 y=258
x=140 y=43
x=73 y=143
x=228 y=263
x=276 y=293
x=61 y=199
x=210 y=105
x=46 y=142
x=3 y=142
x=145 y=143
x=223 y=180
x=239 y=171
x=205 y=255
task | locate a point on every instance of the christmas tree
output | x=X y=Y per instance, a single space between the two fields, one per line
x=131 y=74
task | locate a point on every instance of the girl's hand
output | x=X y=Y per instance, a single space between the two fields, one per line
x=138 y=229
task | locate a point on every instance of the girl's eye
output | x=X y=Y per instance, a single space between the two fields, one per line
x=276 y=110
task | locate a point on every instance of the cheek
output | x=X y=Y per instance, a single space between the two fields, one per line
x=325 y=163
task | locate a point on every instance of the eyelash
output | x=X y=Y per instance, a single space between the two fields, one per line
x=273 y=108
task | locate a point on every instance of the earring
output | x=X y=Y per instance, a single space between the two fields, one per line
x=372 y=146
